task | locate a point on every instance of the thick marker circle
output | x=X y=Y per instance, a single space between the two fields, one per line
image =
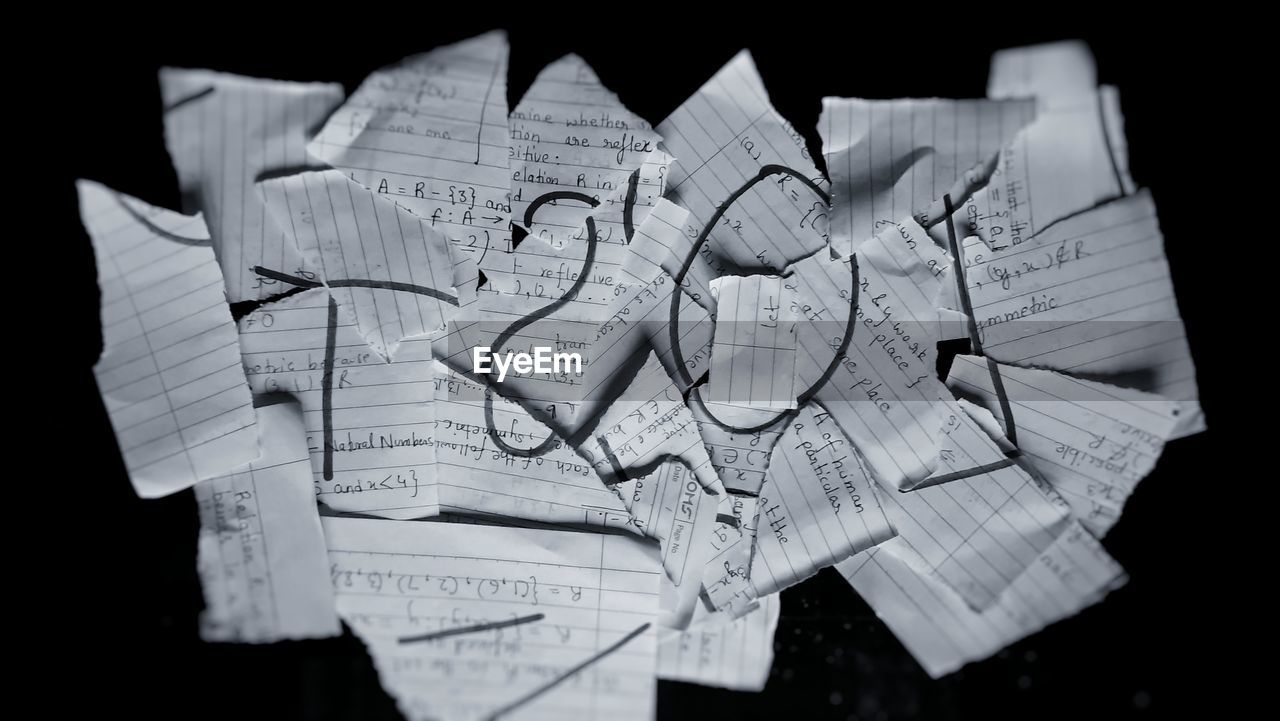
x=673 y=325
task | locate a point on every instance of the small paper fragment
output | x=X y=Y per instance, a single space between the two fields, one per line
x=170 y=373
x=370 y=424
x=1057 y=74
x=727 y=577
x=262 y=561
x=753 y=351
x=744 y=173
x=670 y=505
x=719 y=651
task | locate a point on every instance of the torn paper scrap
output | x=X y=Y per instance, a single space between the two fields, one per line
x=977 y=518
x=486 y=622
x=431 y=131
x=944 y=634
x=648 y=423
x=739 y=441
x=981 y=529
x=726 y=578
x=370 y=424
x=571 y=133
x=1058 y=75
x=1061 y=164
x=638 y=316
x=641 y=310
x=618 y=329
x=483 y=466
x=670 y=506
x=585 y=299
x=383 y=264
x=170 y=374
x=508 y=325
x=866 y=349
x=818 y=505
x=1093 y=297
x=753 y=351
x=755 y=197
x=664 y=244
x=225 y=133
x=960 y=514
x=719 y=651
x=1093 y=442
x=262 y=561
x=890 y=159
x=549 y=261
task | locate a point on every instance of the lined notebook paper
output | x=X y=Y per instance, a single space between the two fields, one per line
x=1057 y=75
x=727 y=577
x=723 y=138
x=722 y=652
x=944 y=634
x=649 y=422
x=487 y=622
x=431 y=131
x=262 y=561
x=383 y=264
x=892 y=158
x=1091 y=296
x=1063 y=163
x=670 y=505
x=225 y=133
x=818 y=505
x=753 y=351
x=170 y=372
x=739 y=456
x=975 y=518
x=475 y=475
x=370 y=424
x=884 y=393
x=571 y=133
x=1093 y=442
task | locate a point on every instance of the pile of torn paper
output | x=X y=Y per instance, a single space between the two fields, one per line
x=761 y=394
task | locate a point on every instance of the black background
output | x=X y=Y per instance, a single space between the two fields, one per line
x=116 y=584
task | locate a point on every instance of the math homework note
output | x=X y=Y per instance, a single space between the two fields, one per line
x=431 y=131
x=492 y=622
x=262 y=560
